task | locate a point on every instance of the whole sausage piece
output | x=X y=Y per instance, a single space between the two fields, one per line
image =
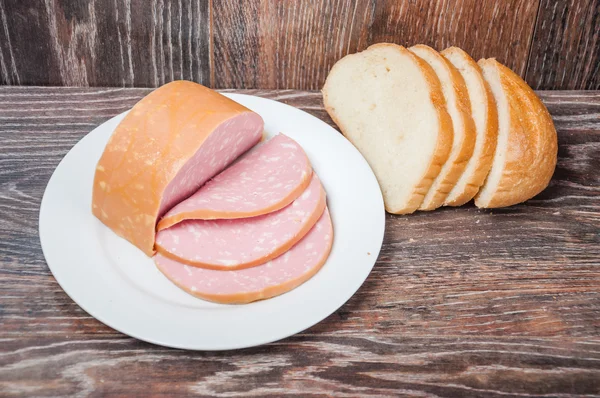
x=170 y=143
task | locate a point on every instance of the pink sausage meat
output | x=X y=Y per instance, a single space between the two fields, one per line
x=246 y=242
x=266 y=179
x=276 y=277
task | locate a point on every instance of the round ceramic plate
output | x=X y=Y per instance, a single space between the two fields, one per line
x=117 y=284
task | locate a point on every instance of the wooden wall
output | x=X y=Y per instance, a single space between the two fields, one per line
x=554 y=44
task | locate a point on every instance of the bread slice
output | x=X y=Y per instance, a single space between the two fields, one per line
x=525 y=156
x=459 y=108
x=485 y=116
x=389 y=104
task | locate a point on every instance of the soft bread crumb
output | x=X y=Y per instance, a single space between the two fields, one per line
x=488 y=189
x=485 y=117
x=458 y=106
x=383 y=102
x=525 y=156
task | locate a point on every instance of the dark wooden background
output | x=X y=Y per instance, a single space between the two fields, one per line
x=554 y=44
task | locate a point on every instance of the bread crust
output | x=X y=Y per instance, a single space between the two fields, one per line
x=450 y=176
x=482 y=160
x=532 y=145
x=445 y=134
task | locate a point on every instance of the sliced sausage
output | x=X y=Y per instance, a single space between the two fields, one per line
x=276 y=277
x=244 y=242
x=266 y=179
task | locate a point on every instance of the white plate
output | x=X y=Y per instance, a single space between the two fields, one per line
x=117 y=284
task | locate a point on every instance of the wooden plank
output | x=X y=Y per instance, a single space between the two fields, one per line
x=461 y=301
x=500 y=29
x=104 y=42
x=334 y=364
x=565 y=52
x=275 y=45
x=19 y=24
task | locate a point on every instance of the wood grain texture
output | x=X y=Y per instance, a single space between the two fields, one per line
x=274 y=45
x=501 y=29
x=335 y=364
x=565 y=52
x=461 y=302
x=104 y=42
x=283 y=44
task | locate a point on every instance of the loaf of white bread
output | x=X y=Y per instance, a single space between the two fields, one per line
x=441 y=129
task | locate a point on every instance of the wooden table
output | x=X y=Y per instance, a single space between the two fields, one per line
x=461 y=301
